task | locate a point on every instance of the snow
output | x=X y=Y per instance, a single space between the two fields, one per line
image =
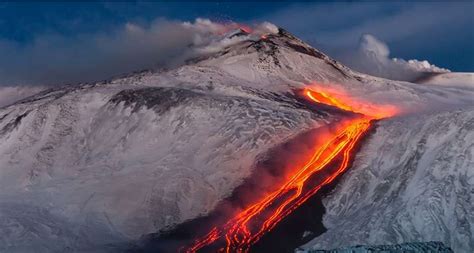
x=403 y=247
x=411 y=182
x=136 y=169
x=457 y=79
x=97 y=164
x=135 y=155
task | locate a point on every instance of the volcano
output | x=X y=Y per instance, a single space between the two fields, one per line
x=98 y=166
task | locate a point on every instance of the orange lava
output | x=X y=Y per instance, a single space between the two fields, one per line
x=245 y=28
x=250 y=224
x=224 y=28
x=345 y=102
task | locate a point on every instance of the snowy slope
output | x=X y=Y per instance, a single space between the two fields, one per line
x=94 y=164
x=415 y=179
x=459 y=79
x=108 y=162
x=137 y=160
x=403 y=247
x=412 y=181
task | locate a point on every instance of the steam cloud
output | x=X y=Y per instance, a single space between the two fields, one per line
x=58 y=60
x=372 y=57
x=53 y=59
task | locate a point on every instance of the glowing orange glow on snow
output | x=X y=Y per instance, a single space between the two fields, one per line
x=245 y=28
x=249 y=225
x=224 y=28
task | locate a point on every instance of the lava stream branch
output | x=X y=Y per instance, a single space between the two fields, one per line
x=248 y=226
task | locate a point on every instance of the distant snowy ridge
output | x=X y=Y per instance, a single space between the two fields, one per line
x=459 y=79
x=11 y=94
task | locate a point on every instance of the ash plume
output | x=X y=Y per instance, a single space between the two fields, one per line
x=373 y=57
x=54 y=59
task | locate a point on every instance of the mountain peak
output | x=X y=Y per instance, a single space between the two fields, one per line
x=266 y=40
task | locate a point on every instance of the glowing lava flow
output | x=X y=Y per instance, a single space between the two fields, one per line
x=249 y=225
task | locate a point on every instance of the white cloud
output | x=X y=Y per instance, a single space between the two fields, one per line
x=373 y=57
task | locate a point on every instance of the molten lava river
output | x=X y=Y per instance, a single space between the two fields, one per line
x=249 y=225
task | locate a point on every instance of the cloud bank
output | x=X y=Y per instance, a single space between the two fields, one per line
x=53 y=59
x=373 y=57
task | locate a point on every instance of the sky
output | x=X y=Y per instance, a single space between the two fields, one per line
x=48 y=43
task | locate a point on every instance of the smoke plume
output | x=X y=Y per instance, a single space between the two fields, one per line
x=53 y=59
x=373 y=57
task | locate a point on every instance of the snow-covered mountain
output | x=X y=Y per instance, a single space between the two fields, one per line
x=96 y=164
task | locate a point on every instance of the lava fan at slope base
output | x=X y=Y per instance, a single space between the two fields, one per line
x=249 y=225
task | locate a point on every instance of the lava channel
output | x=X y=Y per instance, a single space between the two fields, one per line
x=249 y=225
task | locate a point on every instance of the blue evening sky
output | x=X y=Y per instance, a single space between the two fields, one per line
x=440 y=32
